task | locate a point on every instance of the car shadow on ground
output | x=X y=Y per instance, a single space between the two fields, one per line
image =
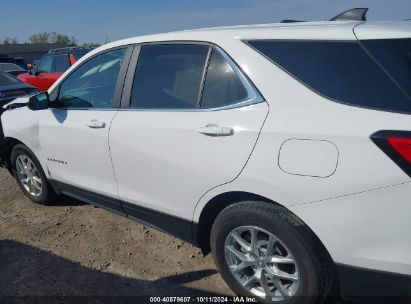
x=32 y=275
x=67 y=201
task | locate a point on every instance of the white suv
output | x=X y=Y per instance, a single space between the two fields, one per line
x=284 y=148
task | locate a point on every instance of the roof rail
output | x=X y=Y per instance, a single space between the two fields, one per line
x=290 y=21
x=355 y=14
x=67 y=49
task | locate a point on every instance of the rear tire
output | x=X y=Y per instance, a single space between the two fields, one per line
x=30 y=175
x=267 y=249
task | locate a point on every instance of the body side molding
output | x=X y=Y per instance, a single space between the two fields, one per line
x=175 y=226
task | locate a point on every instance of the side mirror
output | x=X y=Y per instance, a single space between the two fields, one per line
x=34 y=71
x=39 y=102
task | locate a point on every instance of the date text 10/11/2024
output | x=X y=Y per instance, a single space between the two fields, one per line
x=202 y=299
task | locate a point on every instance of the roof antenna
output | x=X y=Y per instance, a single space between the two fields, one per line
x=355 y=14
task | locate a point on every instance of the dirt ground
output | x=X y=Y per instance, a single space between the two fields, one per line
x=73 y=251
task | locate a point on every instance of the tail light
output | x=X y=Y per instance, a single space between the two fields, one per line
x=397 y=146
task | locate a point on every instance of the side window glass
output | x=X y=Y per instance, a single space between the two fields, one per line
x=343 y=72
x=92 y=85
x=222 y=86
x=169 y=76
x=45 y=65
x=395 y=56
x=61 y=63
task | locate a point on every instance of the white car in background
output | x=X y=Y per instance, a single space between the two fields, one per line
x=284 y=148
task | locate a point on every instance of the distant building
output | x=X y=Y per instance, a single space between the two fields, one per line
x=23 y=54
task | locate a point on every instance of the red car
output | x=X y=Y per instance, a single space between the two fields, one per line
x=52 y=66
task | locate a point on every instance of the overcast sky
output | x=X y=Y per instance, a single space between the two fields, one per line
x=94 y=20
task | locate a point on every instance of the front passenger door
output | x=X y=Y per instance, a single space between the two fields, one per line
x=74 y=134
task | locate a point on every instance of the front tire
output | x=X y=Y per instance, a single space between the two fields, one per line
x=264 y=251
x=30 y=175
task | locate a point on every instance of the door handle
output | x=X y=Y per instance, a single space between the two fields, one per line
x=96 y=124
x=216 y=130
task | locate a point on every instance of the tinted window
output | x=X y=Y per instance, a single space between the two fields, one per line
x=45 y=65
x=168 y=76
x=222 y=86
x=61 y=63
x=341 y=71
x=395 y=56
x=92 y=84
x=78 y=53
x=10 y=67
x=6 y=78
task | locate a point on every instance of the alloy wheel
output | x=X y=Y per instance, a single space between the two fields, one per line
x=28 y=175
x=261 y=263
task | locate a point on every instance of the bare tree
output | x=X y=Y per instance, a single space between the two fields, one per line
x=91 y=44
x=10 y=40
x=39 y=38
x=62 y=38
x=52 y=37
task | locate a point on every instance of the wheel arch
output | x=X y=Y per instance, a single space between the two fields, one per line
x=212 y=209
x=12 y=142
x=7 y=146
x=221 y=201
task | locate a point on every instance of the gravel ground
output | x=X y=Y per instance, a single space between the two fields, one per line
x=74 y=251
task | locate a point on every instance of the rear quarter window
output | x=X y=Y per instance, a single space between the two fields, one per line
x=394 y=55
x=222 y=86
x=342 y=71
x=61 y=63
x=78 y=53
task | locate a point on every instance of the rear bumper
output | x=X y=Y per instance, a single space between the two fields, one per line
x=368 y=236
x=370 y=230
x=373 y=286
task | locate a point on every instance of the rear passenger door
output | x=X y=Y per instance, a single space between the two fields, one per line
x=188 y=122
